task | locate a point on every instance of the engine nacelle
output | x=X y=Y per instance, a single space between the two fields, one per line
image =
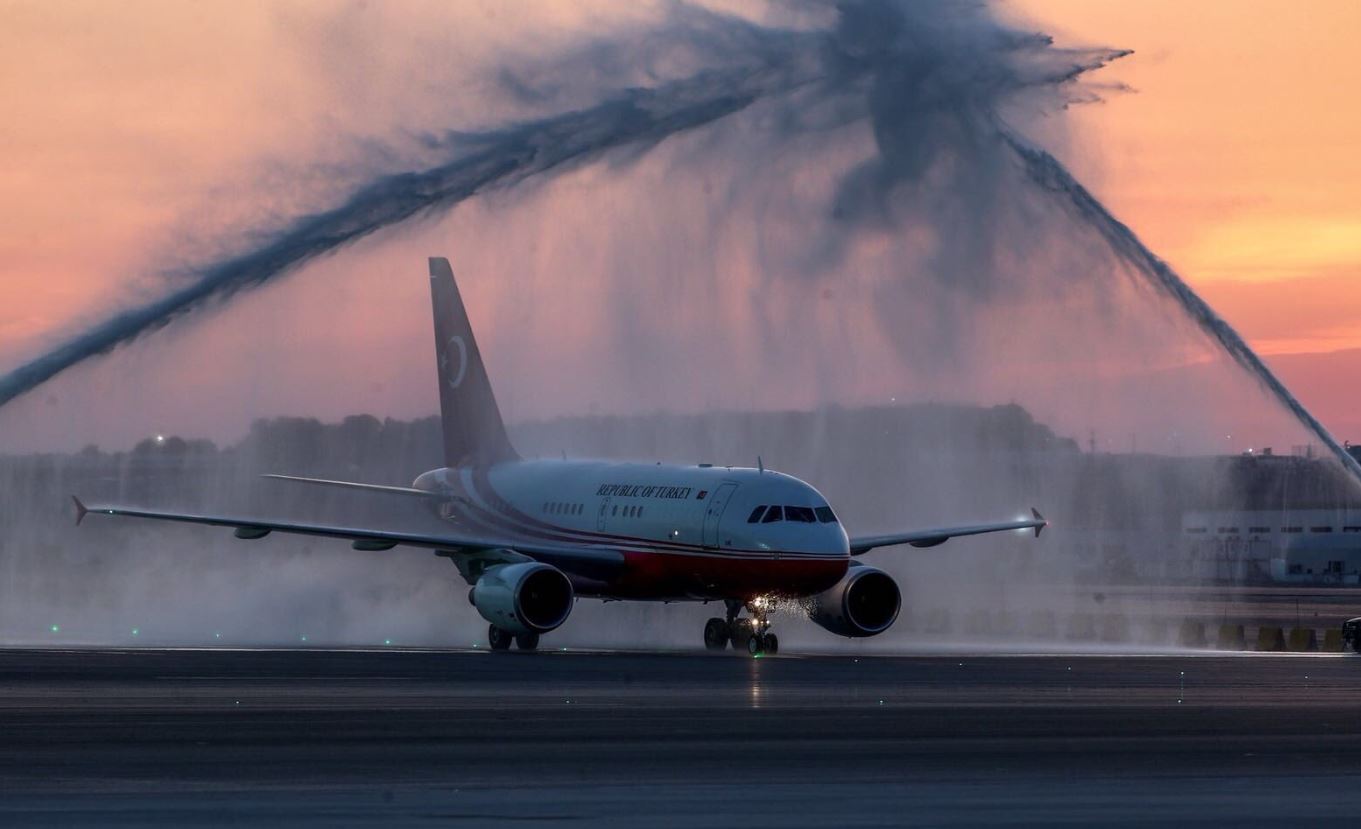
x=529 y=597
x=864 y=603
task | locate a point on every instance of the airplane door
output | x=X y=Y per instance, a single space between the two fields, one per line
x=718 y=501
x=600 y=519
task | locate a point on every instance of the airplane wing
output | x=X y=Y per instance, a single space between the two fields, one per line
x=584 y=560
x=351 y=485
x=930 y=538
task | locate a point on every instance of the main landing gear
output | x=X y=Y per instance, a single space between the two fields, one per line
x=751 y=634
x=500 y=639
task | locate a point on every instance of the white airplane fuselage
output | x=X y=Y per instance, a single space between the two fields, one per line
x=684 y=531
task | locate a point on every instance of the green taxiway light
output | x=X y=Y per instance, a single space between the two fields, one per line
x=135 y=631
x=387 y=641
x=56 y=628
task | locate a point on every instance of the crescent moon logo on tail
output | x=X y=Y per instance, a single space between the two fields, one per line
x=456 y=341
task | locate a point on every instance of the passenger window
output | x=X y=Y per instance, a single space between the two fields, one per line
x=640 y=512
x=803 y=515
x=825 y=515
x=614 y=510
x=772 y=515
x=756 y=514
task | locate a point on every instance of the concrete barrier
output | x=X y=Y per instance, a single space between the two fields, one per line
x=1114 y=629
x=938 y=621
x=1302 y=640
x=978 y=623
x=1270 y=638
x=1042 y=625
x=1332 y=640
x=1082 y=627
x=1008 y=626
x=1192 y=634
x=907 y=620
x=1231 y=638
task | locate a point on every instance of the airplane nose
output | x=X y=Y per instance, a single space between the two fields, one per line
x=832 y=540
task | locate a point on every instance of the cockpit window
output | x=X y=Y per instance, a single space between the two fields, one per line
x=772 y=515
x=825 y=515
x=801 y=514
x=756 y=514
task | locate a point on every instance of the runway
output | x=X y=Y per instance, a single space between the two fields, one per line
x=423 y=737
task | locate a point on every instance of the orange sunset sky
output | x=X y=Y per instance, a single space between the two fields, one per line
x=1235 y=154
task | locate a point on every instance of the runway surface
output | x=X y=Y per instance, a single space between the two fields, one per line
x=468 y=738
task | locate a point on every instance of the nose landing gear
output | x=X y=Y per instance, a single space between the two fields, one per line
x=752 y=633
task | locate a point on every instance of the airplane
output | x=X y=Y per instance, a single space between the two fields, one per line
x=531 y=536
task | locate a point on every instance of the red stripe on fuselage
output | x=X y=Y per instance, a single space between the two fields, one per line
x=667 y=576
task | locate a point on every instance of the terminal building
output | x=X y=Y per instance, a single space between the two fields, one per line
x=1301 y=546
x=1304 y=546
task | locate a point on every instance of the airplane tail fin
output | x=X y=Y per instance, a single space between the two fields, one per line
x=474 y=433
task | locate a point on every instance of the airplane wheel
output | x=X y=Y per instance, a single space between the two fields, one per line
x=499 y=639
x=715 y=634
x=739 y=633
x=527 y=641
x=771 y=644
x=754 y=644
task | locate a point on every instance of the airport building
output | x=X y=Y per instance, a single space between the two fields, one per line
x=1304 y=546
x=1293 y=545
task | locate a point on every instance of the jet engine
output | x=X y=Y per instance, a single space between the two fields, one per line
x=864 y=603
x=529 y=597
